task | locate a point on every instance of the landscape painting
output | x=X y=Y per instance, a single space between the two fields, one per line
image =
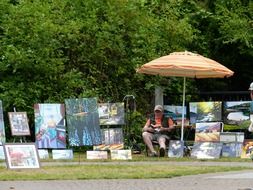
x=111 y=113
x=205 y=111
x=176 y=149
x=96 y=155
x=19 y=123
x=50 y=128
x=121 y=154
x=2 y=130
x=206 y=150
x=175 y=112
x=231 y=149
x=64 y=154
x=236 y=112
x=208 y=132
x=21 y=156
x=83 y=122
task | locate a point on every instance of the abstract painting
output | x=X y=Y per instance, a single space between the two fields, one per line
x=176 y=149
x=83 y=122
x=50 y=128
x=247 y=149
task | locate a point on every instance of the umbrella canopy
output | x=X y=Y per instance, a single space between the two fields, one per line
x=185 y=64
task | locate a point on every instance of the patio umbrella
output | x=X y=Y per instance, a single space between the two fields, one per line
x=185 y=64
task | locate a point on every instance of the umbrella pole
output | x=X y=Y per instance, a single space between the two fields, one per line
x=182 y=127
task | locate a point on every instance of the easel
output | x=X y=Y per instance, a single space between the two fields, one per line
x=20 y=138
x=130 y=107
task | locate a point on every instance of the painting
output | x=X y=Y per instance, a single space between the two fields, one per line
x=50 y=128
x=121 y=154
x=206 y=150
x=108 y=147
x=205 y=111
x=175 y=112
x=232 y=137
x=236 y=112
x=21 y=156
x=112 y=136
x=83 y=122
x=19 y=123
x=247 y=149
x=2 y=156
x=176 y=149
x=111 y=113
x=43 y=153
x=66 y=154
x=208 y=132
x=231 y=149
x=2 y=130
x=96 y=155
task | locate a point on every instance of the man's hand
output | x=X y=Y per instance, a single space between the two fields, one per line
x=150 y=130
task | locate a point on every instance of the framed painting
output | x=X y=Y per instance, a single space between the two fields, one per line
x=19 y=124
x=21 y=156
x=236 y=112
x=111 y=113
x=205 y=111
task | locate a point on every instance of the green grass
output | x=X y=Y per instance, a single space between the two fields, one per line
x=110 y=171
x=140 y=167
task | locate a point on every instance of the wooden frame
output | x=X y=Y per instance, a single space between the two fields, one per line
x=21 y=156
x=19 y=124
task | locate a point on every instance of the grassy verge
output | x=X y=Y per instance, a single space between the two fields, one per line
x=109 y=171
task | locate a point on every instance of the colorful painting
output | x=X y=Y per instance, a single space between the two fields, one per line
x=176 y=149
x=205 y=111
x=83 y=122
x=2 y=130
x=66 y=154
x=121 y=154
x=111 y=113
x=21 y=156
x=97 y=155
x=108 y=147
x=236 y=112
x=231 y=149
x=175 y=112
x=208 y=132
x=206 y=150
x=247 y=149
x=50 y=128
x=19 y=123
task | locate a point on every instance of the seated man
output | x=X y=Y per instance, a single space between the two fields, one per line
x=157 y=128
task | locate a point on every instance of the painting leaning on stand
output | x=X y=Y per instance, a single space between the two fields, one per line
x=251 y=96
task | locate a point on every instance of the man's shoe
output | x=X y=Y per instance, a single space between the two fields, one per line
x=162 y=152
x=153 y=154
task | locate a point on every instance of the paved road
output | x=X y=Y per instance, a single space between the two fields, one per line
x=240 y=180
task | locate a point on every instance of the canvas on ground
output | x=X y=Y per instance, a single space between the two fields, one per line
x=111 y=113
x=2 y=130
x=206 y=150
x=176 y=149
x=208 y=132
x=121 y=154
x=50 y=128
x=247 y=149
x=236 y=112
x=43 y=153
x=21 y=155
x=205 y=111
x=19 y=123
x=2 y=156
x=231 y=149
x=62 y=154
x=91 y=155
x=83 y=122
